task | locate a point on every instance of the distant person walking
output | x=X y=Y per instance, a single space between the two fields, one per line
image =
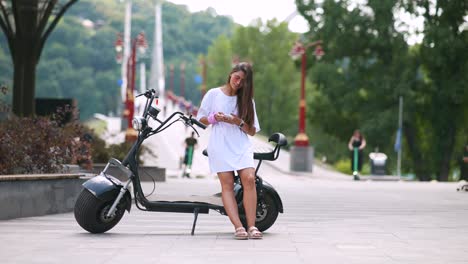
x=190 y=144
x=464 y=164
x=358 y=141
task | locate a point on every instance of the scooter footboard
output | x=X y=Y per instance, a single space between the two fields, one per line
x=107 y=188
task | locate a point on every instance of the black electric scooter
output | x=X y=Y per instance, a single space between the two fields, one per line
x=104 y=199
x=355 y=164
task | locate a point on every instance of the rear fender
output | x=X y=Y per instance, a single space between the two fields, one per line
x=107 y=188
x=269 y=189
x=238 y=193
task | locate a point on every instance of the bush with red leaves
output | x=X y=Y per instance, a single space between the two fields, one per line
x=30 y=145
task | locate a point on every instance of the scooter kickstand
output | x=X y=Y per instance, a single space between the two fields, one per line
x=195 y=213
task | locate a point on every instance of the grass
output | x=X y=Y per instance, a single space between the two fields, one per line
x=344 y=166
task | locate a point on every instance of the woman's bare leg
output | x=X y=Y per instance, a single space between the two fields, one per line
x=227 y=195
x=250 y=195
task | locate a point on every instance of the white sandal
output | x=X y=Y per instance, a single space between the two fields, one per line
x=241 y=234
x=254 y=233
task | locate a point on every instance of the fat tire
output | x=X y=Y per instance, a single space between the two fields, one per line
x=89 y=209
x=265 y=217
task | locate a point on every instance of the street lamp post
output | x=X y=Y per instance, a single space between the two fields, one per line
x=302 y=153
x=170 y=94
x=182 y=80
x=138 y=43
x=203 y=88
x=171 y=78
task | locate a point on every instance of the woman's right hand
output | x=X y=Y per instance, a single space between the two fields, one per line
x=220 y=117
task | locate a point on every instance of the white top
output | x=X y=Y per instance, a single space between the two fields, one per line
x=229 y=148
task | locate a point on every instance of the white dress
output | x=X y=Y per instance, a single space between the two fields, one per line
x=229 y=148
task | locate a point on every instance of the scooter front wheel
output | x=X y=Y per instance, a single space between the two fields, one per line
x=91 y=213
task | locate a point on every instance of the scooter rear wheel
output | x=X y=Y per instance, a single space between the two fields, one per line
x=267 y=213
x=91 y=213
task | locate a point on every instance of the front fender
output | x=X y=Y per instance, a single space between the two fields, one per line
x=107 y=188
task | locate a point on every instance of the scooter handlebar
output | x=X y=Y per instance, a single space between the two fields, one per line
x=190 y=120
x=196 y=122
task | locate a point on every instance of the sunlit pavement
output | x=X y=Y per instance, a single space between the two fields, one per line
x=328 y=218
x=323 y=222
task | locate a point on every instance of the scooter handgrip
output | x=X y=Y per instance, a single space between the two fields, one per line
x=196 y=122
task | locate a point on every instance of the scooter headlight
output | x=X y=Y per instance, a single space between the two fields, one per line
x=138 y=123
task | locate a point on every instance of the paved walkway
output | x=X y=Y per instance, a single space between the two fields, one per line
x=323 y=222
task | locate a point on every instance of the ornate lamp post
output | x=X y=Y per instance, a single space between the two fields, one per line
x=303 y=160
x=119 y=48
x=170 y=93
x=138 y=43
x=182 y=80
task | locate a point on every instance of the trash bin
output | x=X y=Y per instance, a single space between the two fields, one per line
x=378 y=161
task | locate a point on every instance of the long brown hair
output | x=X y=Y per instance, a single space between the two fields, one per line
x=245 y=94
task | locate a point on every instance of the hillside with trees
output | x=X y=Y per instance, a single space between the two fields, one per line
x=79 y=58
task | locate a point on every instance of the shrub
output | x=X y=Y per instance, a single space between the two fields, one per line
x=39 y=144
x=344 y=166
x=102 y=153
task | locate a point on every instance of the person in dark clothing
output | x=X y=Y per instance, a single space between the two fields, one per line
x=357 y=140
x=190 y=144
x=464 y=164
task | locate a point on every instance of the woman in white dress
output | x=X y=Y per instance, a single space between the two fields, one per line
x=230 y=110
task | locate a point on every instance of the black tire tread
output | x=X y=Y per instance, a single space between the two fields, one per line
x=87 y=209
x=271 y=217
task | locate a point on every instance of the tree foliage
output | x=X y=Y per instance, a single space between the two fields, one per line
x=444 y=61
x=276 y=80
x=369 y=65
x=27 y=24
x=79 y=61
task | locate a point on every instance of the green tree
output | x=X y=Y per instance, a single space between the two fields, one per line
x=276 y=80
x=72 y=48
x=27 y=31
x=444 y=62
x=369 y=65
x=219 y=60
x=358 y=81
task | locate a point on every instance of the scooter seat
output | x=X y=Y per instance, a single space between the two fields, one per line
x=263 y=153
